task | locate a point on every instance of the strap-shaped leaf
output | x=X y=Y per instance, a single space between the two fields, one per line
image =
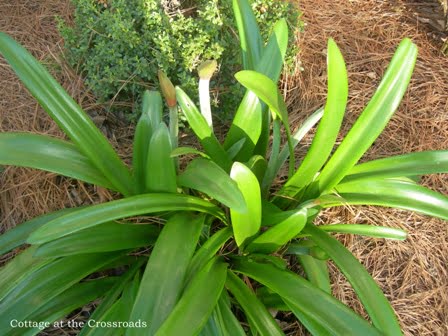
x=119 y=311
x=18 y=235
x=280 y=234
x=18 y=268
x=131 y=206
x=160 y=167
x=67 y=114
x=246 y=224
x=251 y=121
x=309 y=123
x=147 y=124
x=271 y=170
x=366 y=230
x=255 y=311
x=49 y=154
x=207 y=251
x=206 y=176
x=205 y=134
x=66 y=302
x=163 y=280
x=314 y=308
x=316 y=271
x=420 y=163
x=250 y=38
x=223 y=322
x=273 y=58
x=47 y=282
x=258 y=165
x=369 y=293
x=268 y=92
x=106 y=237
x=372 y=120
x=101 y=311
x=329 y=125
x=391 y=193
x=197 y=302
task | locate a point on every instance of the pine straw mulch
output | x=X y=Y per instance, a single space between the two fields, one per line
x=412 y=273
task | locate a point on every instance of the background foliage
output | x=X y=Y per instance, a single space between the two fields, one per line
x=119 y=45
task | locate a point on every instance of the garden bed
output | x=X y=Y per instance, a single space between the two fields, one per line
x=413 y=273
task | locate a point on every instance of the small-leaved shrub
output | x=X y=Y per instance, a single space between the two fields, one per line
x=119 y=45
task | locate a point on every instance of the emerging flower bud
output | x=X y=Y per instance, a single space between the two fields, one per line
x=168 y=91
x=206 y=69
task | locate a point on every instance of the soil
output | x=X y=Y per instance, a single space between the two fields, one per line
x=413 y=274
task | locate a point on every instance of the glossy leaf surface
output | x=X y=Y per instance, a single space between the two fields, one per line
x=246 y=224
x=131 y=206
x=67 y=114
x=206 y=176
x=163 y=280
x=371 y=296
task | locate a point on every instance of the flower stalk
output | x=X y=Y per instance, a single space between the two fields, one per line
x=169 y=93
x=205 y=71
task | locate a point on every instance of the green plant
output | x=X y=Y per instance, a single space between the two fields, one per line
x=221 y=221
x=120 y=46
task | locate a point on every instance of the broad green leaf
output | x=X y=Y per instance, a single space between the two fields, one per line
x=258 y=165
x=119 y=312
x=251 y=121
x=271 y=65
x=369 y=293
x=313 y=307
x=329 y=126
x=250 y=38
x=223 y=322
x=66 y=302
x=268 y=92
x=112 y=296
x=206 y=176
x=47 y=282
x=271 y=300
x=163 y=280
x=316 y=271
x=160 y=167
x=18 y=268
x=420 y=163
x=18 y=235
x=152 y=106
x=67 y=114
x=366 y=230
x=233 y=150
x=49 y=154
x=208 y=251
x=106 y=237
x=254 y=310
x=280 y=234
x=309 y=123
x=197 y=302
x=390 y=193
x=205 y=134
x=131 y=206
x=271 y=171
x=246 y=224
x=148 y=123
x=372 y=120
x=307 y=248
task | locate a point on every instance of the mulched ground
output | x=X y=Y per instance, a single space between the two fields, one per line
x=412 y=273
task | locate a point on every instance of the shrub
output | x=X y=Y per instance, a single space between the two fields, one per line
x=119 y=45
x=220 y=219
